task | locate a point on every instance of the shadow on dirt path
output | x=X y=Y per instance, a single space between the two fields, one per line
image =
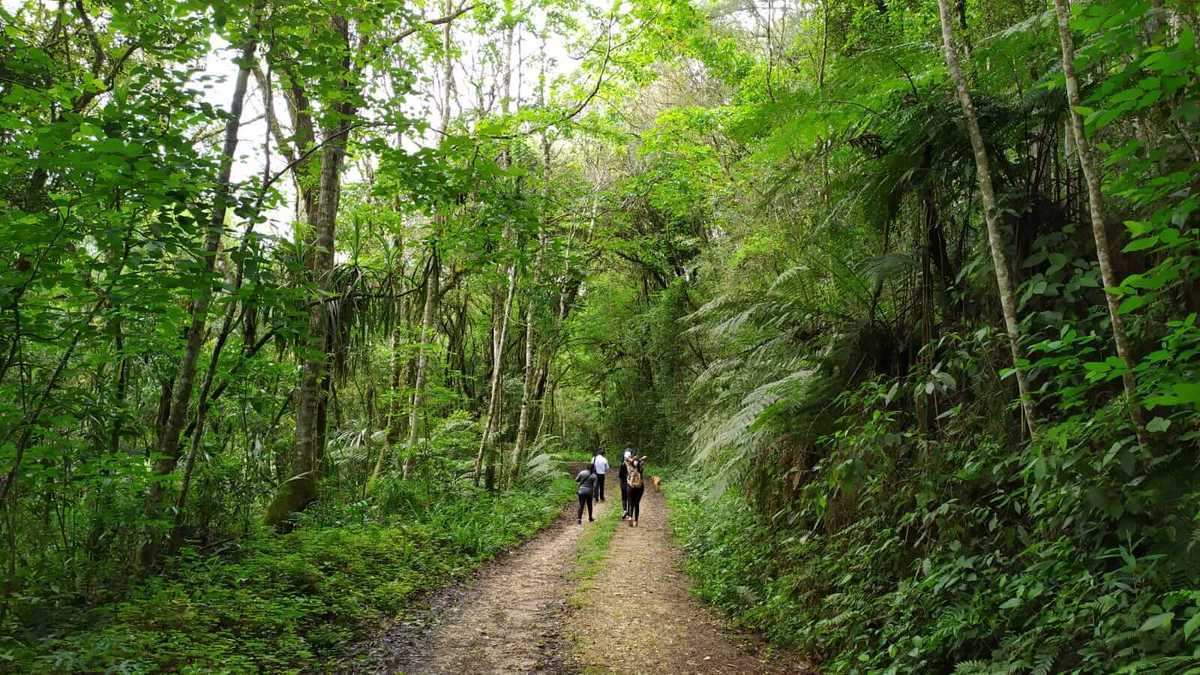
x=640 y=616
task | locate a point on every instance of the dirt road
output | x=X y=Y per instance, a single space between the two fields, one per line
x=514 y=616
x=642 y=618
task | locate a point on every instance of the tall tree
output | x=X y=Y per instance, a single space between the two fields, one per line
x=328 y=99
x=425 y=339
x=529 y=374
x=167 y=451
x=991 y=216
x=501 y=300
x=1091 y=177
x=433 y=292
x=326 y=85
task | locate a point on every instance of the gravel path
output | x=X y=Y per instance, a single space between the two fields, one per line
x=641 y=598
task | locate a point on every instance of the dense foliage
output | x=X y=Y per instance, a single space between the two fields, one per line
x=851 y=378
x=252 y=253
x=912 y=287
x=280 y=602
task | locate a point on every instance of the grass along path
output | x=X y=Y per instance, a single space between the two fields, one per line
x=636 y=613
x=598 y=598
x=507 y=619
x=593 y=549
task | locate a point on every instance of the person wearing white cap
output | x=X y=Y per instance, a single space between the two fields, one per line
x=637 y=487
x=623 y=475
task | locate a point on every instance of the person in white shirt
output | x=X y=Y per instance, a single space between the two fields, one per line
x=600 y=467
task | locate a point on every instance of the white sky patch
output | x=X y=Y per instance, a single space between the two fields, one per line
x=563 y=55
x=219 y=75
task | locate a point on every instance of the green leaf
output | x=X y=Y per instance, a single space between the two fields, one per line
x=1140 y=244
x=1158 y=424
x=1133 y=302
x=1157 y=621
x=1188 y=392
x=1191 y=625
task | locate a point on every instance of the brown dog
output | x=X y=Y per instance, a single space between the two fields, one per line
x=657 y=483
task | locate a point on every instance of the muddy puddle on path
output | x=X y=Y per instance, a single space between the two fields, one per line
x=507 y=619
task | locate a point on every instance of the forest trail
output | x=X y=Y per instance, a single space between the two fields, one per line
x=506 y=619
x=516 y=615
x=641 y=597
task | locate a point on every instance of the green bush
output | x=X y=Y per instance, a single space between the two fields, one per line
x=1002 y=565
x=282 y=602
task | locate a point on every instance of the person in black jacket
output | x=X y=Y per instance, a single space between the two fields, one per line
x=636 y=475
x=587 y=485
x=623 y=476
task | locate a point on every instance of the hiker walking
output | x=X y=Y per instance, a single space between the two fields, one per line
x=600 y=466
x=637 y=487
x=587 y=484
x=623 y=477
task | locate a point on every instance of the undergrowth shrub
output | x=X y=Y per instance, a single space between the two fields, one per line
x=984 y=559
x=280 y=602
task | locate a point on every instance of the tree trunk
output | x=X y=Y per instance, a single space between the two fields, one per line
x=1091 y=177
x=321 y=207
x=121 y=389
x=416 y=429
x=499 y=312
x=496 y=390
x=398 y=380
x=459 y=350
x=1008 y=301
x=527 y=386
x=529 y=377
x=197 y=437
x=167 y=448
x=297 y=492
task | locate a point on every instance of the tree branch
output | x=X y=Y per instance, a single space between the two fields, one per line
x=434 y=22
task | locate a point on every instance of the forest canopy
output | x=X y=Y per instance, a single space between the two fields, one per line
x=324 y=293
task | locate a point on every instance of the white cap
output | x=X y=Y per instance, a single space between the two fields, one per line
x=628 y=453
